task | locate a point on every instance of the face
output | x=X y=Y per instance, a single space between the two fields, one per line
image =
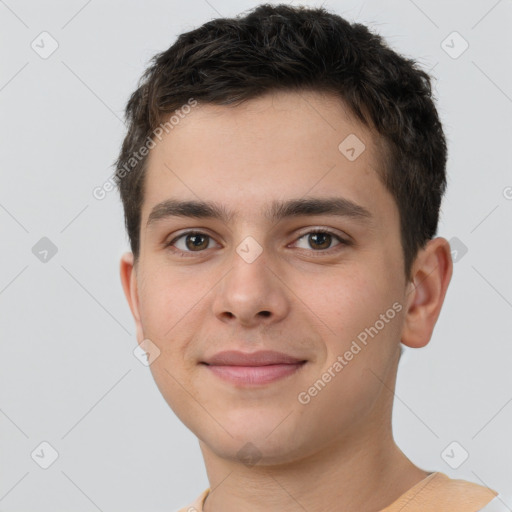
x=323 y=284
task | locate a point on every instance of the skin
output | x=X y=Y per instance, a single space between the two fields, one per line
x=317 y=300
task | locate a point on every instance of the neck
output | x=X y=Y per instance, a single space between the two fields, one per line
x=351 y=474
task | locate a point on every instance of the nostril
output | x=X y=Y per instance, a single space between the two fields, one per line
x=265 y=313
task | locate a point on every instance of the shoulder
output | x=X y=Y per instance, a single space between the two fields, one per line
x=197 y=504
x=440 y=493
x=462 y=489
x=498 y=504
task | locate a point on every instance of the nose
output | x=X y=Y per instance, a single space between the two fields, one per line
x=251 y=294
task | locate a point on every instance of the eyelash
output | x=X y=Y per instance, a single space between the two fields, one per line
x=320 y=252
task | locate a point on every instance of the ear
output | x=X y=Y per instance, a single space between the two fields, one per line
x=431 y=275
x=129 y=281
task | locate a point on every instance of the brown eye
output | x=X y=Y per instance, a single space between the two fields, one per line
x=191 y=242
x=320 y=240
x=196 y=242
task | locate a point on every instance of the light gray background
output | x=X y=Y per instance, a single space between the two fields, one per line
x=68 y=375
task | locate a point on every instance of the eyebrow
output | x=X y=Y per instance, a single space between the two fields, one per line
x=278 y=210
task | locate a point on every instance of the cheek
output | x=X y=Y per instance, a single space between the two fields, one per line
x=172 y=306
x=354 y=312
x=168 y=306
x=168 y=301
x=156 y=308
x=343 y=300
x=350 y=307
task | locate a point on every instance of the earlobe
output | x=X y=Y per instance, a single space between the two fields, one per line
x=129 y=282
x=432 y=273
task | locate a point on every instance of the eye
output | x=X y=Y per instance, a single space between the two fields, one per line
x=321 y=240
x=191 y=241
x=195 y=241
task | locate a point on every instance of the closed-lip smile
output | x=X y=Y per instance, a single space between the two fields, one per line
x=253 y=368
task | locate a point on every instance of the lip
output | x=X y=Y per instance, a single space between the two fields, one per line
x=260 y=358
x=253 y=369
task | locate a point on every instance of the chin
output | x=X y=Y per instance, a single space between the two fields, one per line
x=262 y=443
x=251 y=452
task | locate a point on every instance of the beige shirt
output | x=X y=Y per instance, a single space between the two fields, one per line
x=435 y=493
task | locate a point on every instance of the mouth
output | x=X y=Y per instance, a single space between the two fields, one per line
x=253 y=369
x=254 y=375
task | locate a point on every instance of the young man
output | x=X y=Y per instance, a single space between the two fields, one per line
x=281 y=178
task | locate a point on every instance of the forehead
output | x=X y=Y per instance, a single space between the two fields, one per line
x=278 y=146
